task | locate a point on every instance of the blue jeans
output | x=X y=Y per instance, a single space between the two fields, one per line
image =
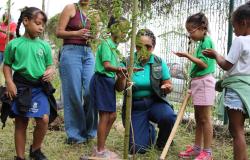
x=144 y=112
x=76 y=69
x=1 y=57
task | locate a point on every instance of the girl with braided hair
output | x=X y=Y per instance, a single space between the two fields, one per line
x=202 y=87
x=31 y=60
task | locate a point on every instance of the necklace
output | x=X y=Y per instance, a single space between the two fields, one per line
x=84 y=21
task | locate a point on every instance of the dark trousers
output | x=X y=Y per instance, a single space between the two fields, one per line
x=145 y=111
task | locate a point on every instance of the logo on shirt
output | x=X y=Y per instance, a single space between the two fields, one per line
x=157 y=68
x=40 y=53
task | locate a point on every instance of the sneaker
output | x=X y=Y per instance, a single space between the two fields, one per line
x=105 y=154
x=18 y=158
x=189 y=153
x=204 y=156
x=37 y=154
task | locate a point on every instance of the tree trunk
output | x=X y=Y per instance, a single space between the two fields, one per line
x=130 y=71
x=8 y=28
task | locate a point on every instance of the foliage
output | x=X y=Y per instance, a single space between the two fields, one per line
x=51 y=30
x=101 y=10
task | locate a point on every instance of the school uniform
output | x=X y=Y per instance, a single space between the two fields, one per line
x=102 y=84
x=202 y=80
x=29 y=59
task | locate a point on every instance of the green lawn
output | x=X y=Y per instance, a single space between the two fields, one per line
x=56 y=149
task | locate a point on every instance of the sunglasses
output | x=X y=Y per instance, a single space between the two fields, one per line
x=148 y=46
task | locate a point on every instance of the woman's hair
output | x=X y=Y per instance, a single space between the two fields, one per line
x=30 y=13
x=198 y=20
x=242 y=13
x=113 y=20
x=148 y=33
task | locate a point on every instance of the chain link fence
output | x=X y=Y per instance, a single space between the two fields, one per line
x=169 y=27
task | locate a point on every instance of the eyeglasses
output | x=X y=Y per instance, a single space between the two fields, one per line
x=148 y=46
x=194 y=30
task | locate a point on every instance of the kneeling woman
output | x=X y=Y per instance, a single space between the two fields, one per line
x=149 y=102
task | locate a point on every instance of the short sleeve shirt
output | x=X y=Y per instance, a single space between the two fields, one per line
x=3 y=36
x=196 y=71
x=107 y=52
x=142 y=86
x=29 y=57
x=239 y=56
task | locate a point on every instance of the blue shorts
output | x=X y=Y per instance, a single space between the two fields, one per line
x=233 y=101
x=1 y=57
x=39 y=107
x=102 y=93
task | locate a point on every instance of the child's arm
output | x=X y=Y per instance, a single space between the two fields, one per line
x=49 y=73
x=222 y=62
x=195 y=60
x=110 y=68
x=11 y=87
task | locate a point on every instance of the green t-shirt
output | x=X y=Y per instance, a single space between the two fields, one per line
x=29 y=57
x=107 y=52
x=196 y=71
x=142 y=86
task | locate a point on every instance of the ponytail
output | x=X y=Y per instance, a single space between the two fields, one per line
x=29 y=12
x=198 y=20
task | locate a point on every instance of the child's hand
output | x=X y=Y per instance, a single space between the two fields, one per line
x=49 y=74
x=121 y=70
x=209 y=53
x=181 y=54
x=11 y=90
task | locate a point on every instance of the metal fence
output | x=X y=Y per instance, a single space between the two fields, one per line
x=171 y=34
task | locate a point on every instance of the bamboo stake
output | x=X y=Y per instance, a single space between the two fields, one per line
x=130 y=72
x=177 y=122
x=93 y=158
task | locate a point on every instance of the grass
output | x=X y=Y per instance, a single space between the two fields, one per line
x=56 y=149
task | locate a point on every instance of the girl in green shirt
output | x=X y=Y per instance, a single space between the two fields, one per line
x=102 y=84
x=31 y=60
x=202 y=87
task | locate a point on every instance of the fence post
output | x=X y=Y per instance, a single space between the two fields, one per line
x=230 y=27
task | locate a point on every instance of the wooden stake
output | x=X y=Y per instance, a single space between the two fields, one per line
x=92 y=158
x=177 y=122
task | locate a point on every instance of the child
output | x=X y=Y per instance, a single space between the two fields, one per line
x=102 y=85
x=237 y=79
x=31 y=60
x=202 y=88
x=3 y=33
